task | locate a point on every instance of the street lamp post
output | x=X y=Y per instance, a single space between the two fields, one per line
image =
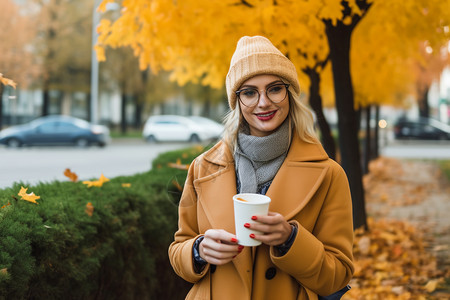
x=94 y=66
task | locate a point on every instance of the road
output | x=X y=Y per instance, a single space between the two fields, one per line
x=417 y=149
x=32 y=165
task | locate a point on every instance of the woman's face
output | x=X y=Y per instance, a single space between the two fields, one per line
x=266 y=116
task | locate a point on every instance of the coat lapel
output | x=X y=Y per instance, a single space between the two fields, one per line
x=298 y=178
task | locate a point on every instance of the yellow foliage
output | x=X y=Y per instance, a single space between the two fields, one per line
x=195 y=39
x=7 y=81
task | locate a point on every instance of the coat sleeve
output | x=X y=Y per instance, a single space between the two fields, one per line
x=180 y=251
x=322 y=260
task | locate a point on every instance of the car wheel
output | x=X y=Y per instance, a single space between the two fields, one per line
x=81 y=142
x=151 y=139
x=194 y=139
x=14 y=143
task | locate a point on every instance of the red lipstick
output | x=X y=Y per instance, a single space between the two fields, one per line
x=266 y=116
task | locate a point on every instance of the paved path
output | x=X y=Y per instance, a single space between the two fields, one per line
x=416 y=192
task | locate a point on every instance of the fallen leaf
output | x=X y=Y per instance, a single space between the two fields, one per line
x=97 y=183
x=72 y=176
x=127 y=185
x=31 y=197
x=431 y=285
x=89 y=209
x=364 y=245
x=4 y=271
x=8 y=204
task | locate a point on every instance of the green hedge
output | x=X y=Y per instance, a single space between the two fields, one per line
x=54 y=249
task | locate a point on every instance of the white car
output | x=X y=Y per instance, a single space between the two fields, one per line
x=165 y=128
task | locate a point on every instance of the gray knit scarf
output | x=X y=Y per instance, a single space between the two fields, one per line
x=257 y=159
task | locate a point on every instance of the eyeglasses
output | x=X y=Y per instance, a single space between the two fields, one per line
x=275 y=93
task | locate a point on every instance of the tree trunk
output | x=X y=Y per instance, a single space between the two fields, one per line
x=89 y=106
x=376 y=134
x=138 y=111
x=339 y=37
x=123 y=119
x=367 y=141
x=424 y=107
x=207 y=103
x=46 y=100
x=315 y=100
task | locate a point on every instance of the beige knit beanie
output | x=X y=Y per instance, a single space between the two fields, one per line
x=256 y=56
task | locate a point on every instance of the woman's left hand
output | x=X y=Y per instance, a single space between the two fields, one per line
x=276 y=230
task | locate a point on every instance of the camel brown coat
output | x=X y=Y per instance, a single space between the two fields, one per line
x=309 y=190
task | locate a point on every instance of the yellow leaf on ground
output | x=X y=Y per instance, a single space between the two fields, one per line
x=89 y=209
x=72 y=176
x=31 y=197
x=97 y=183
x=8 y=204
x=4 y=271
x=127 y=185
x=432 y=285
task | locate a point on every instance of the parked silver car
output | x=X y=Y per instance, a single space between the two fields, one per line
x=55 y=130
x=165 y=128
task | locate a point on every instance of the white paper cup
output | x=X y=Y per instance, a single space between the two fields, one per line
x=254 y=204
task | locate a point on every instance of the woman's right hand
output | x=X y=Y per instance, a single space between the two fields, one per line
x=219 y=247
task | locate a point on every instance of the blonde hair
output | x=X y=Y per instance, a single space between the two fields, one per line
x=299 y=114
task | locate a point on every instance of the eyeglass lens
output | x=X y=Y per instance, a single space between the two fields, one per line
x=250 y=96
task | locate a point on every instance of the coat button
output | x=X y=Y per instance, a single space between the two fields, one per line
x=212 y=268
x=270 y=273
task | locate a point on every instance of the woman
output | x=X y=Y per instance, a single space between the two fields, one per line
x=269 y=147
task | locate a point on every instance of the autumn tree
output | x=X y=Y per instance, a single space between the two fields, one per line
x=16 y=57
x=63 y=46
x=388 y=72
x=168 y=35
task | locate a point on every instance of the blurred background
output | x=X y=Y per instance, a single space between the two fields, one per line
x=399 y=67
x=375 y=74
x=141 y=78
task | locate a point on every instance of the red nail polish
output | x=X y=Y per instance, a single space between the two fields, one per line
x=233 y=240
x=247 y=225
x=252 y=235
x=254 y=218
x=240 y=248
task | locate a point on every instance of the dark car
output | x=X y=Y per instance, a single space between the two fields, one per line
x=423 y=129
x=55 y=130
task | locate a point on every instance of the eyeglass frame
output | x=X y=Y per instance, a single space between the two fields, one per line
x=286 y=85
